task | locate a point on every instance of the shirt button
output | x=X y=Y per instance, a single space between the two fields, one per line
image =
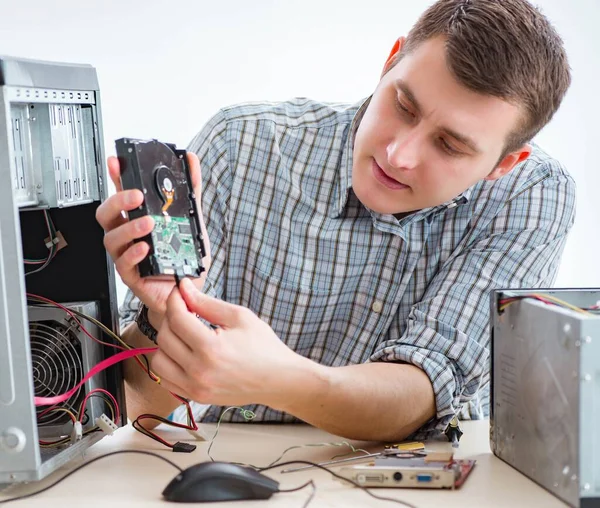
x=377 y=306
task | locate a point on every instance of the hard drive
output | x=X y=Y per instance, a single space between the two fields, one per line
x=162 y=173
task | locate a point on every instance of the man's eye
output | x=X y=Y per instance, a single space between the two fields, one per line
x=449 y=149
x=403 y=109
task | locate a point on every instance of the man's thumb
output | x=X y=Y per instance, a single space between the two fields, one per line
x=211 y=309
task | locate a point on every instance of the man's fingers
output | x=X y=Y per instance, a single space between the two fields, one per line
x=195 y=334
x=166 y=368
x=114 y=171
x=118 y=240
x=108 y=213
x=175 y=349
x=213 y=310
x=171 y=375
x=126 y=265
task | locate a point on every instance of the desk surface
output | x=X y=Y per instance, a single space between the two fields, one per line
x=138 y=480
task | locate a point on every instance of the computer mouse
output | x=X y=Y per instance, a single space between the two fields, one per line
x=219 y=481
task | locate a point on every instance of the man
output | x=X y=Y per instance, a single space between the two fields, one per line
x=354 y=247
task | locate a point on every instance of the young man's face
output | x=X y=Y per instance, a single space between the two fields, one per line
x=425 y=138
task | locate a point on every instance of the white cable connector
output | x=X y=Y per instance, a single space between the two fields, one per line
x=106 y=425
x=77 y=432
x=199 y=435
x=52 y=242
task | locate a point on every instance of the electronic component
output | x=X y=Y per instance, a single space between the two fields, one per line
x=105 y=424
x=430 y=471
x=77 y=432
x=198 y=435
x=545 y=388
x=453 y=432
x=161 y=172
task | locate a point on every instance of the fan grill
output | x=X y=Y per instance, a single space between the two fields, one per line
x=57 y=367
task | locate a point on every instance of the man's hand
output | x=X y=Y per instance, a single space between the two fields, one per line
x=120 y=234
x=241 y=362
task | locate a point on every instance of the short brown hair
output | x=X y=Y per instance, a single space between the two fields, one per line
x=503 y=48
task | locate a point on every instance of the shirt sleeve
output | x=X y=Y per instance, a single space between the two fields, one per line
x=447 y=332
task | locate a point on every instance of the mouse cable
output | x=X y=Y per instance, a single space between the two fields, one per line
x=312 y=494
x=79 y=468
x=339 y=477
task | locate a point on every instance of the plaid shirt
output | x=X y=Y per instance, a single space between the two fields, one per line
x=341 y=284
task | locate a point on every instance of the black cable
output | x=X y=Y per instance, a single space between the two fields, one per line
x=140 y=428
x=297 y=488
x=19 y=498
x=340 y=477
x=147 y=362
x=143 y=452
x=312 y=494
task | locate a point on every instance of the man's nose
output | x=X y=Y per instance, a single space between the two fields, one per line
x=403 y=151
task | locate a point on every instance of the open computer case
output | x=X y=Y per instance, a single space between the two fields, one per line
x=52 y=179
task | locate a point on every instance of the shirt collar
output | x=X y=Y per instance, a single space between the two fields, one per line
x=347 y=161
x=391 y=224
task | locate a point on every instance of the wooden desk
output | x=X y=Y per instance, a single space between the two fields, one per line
x=138 y=480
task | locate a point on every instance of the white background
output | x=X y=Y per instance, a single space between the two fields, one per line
x=166 y=67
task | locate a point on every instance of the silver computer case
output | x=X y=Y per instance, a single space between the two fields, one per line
x=52 y=159
x=545 y=404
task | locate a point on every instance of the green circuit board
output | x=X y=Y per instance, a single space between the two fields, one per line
x=174 y=244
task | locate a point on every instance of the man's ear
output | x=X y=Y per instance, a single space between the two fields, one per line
x=393 y=54
x=509 y=162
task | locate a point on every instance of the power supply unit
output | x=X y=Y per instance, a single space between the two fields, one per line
x=61 y=354
x=545 y=391
x=53 y=268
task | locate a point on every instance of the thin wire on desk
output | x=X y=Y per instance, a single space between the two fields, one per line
x=246 y=413
x=312 y=494
x=143 y=452
x=312 y=445
x=339 y=477
x=249 y=415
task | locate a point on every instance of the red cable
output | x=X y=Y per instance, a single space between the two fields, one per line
x=104 y=364
x=110 y=395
